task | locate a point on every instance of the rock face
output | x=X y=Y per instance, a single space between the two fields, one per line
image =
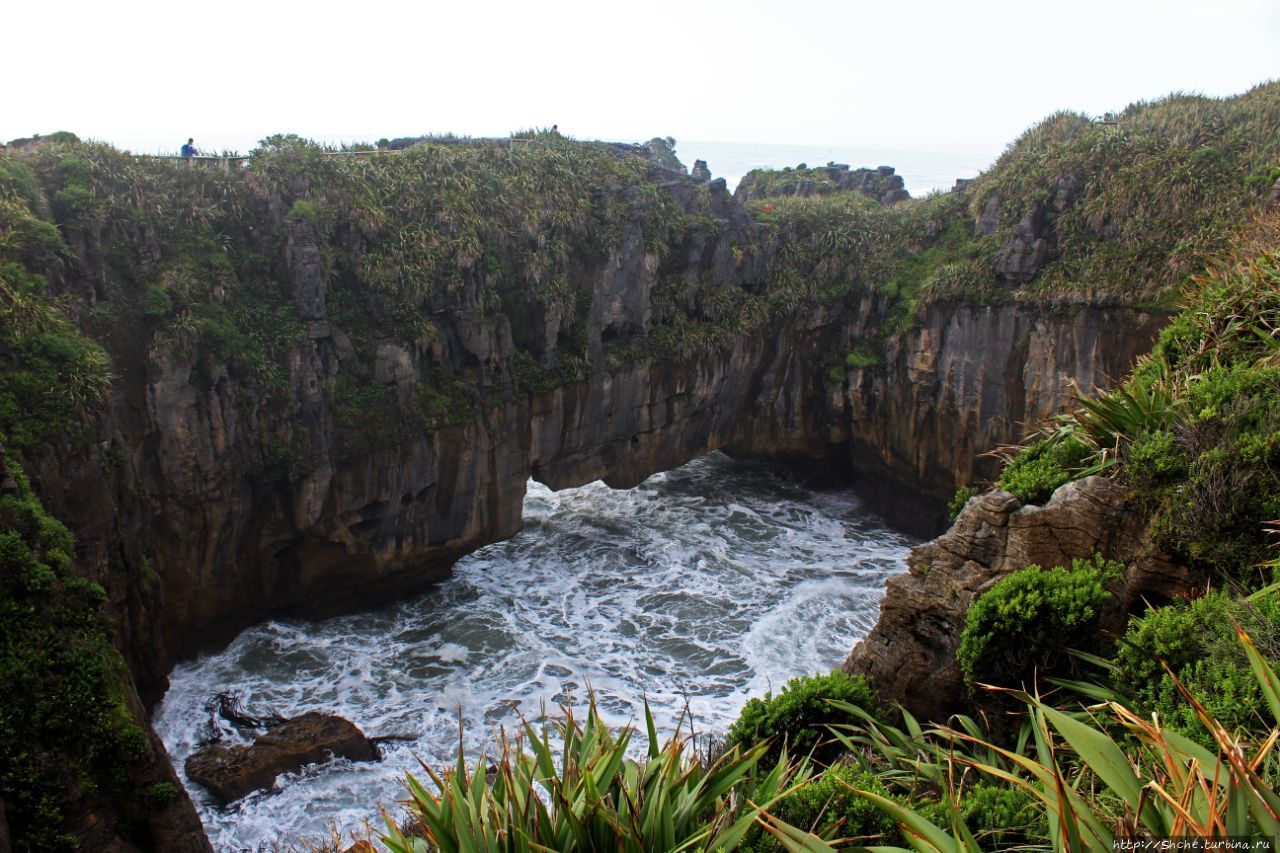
x=207 y=503
x=203 y=509
x=910 y=654
x=230 y=773
x=968 y=380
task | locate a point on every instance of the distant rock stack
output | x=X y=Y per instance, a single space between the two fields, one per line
x=880 y=183
x=663 y=152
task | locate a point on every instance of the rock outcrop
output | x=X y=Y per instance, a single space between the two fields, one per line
x=230 y=773
x=881 y=183
x=910 y=654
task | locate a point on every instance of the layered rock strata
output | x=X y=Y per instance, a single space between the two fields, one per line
x=910 y=654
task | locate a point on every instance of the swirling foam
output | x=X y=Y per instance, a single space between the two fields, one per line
x=696 y=590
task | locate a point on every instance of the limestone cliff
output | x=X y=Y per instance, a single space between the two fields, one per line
x=334 y=376
x=375 y=440
x=967 y=380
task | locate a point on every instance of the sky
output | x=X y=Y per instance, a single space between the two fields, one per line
x=909 y=75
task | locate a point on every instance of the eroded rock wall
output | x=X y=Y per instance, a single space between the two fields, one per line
x=910 y=654
x=211 y=503
x=967 y=380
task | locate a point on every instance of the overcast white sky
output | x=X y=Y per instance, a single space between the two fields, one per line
x=924 y=75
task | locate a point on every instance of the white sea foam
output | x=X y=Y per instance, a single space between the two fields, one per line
x=696 y=590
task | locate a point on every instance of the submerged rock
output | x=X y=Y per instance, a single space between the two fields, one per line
x=230 y=773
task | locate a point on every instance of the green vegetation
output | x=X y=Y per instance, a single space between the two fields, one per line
x=1195 y=429
x=1034 y=474
x=1128 y=211
x=959 y=499
x=818 y=180
x=795 y=720
x=1076 y=777
x=187 y=262
x=596 y=797
x=1023 y=624
x=829 y=807
x=63 y=718
x=51 y=374
x=1196 y=640
x=1156 y=193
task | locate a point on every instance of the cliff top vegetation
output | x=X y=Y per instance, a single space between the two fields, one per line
x=1121 y=210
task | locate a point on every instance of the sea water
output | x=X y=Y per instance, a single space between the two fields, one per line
x=696 y=590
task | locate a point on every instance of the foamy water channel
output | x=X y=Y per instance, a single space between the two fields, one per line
x=699 y=589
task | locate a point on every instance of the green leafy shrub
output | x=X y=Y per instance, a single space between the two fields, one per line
x=303 y=210
x=863 y=357
x=156 y=302
x=828 y=807
x=51 y=381
x=1197 y=641
x=959 y=499
x=999 y=816
x=797 y=717
x=1034 y=474
x=63 y=721
x=1027 y=619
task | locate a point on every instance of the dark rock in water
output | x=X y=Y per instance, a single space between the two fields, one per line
x=700 y=172
x=230 y=708
x=230 y=773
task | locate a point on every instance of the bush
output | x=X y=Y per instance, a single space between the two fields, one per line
x=999 y=817
x=64 y=725
x=303 y=210
x=1024 y=622
x=156 y=302
x=828 y=807
x=588 y=793
x=1197 y=641
x=958 y=501
x=1034 y=474
x=797 y=717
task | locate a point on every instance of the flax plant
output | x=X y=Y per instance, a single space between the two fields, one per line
x=572 y=786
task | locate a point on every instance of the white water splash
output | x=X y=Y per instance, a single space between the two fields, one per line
x=698 y=589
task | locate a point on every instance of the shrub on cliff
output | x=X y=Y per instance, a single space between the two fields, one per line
x=1077 y=778
x=1034 y=474
x=1023 y=624
x=795 y=720
x=63 y=719
x=1197 y=642
x=828 y=806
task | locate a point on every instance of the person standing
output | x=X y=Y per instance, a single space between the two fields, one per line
x=189 y=150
